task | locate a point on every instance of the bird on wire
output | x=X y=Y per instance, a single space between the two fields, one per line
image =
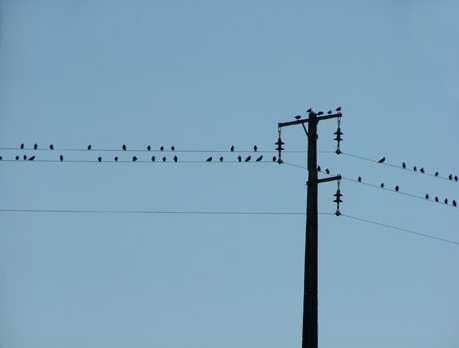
x=24 y=157
x=382 y=185
x=172 y=148
x=319 y=169
x=232 y=148
x=175 y=159
x=134 y=158
x=209 y=159
x=255 y=148
x=124 y=147
x=17 y=158
x=329 y=112
x=404 y=165
x=99 y=159
x=454 y=203
x=164 y=159
x=456 y=178
x=61 y=158
x=221 y=159
x=161 y=148
x=153 y=158
x=31 y=158
x=248 y=158
x=51 y=147
x=436 y=199
x=327 y=171
x=116 y=158
x=239 y=158
x=422 y=170
x=382 y=160
x=397 y=188
x=427 y=196
x=359 y=179
x=297 y=117
x=89 y=147
x=320 y=113
x=148 y=147
x=35 y=146
x=415 y=169
x=338 y=108
x=22 y=146
x=274 y=158
x=446 y=201
x=259 y=158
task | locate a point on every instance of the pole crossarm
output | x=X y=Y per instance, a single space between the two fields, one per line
x=334 y=178
x=303 y=121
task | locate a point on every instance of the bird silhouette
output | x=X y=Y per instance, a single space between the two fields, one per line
x=422 y=170
x=309 y=110
x=164 y=159
x=51 y=147
x=450 y=177
x=446 y=200
x=161 y=148
x=456 y=178
x=1 y=158
x=382 y=160
x=116 y=158
x=437 y=173
x=320 y=113
x=382 y=185
x=274 y=158
x=239 y=158
x=17 y=158
x=427 y=196
x=24 y=157
x=134 y=158
x=415 y=169
x=99 y=159
x=436 y=199
x=35 y=146
x=175 y=158
x=259 y=158
x=248 y=158
x=124 y=147
x=454 y=203
x=89 y=147
x=153 y=158
x=397 y=188
x=61 y=158
x=327 y=171
x=31 y=158
x=319 y=169
x=329 y=112
x=172 y=148
x=221 y=158
x=404 y=165
x=359 y=179
x=255 y=148
x=148 y=148
x=297 y=117
x=22 y=146
x=338 y=108
x=232 y=148
x=209 y=159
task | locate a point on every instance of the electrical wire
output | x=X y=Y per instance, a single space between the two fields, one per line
x=158 y=161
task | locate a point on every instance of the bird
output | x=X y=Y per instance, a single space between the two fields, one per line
x=255 y=148
x=446 y=200
x=164 y=159
x=24 y=157
x=134 y=158
x=397 y=188
x=1 y=158
x=422 y=170
x=327 y=171
x=221 y=158
x=61 y=158
x=454 y=203
x=382 y=185
x=89 y=147
x=35 y=146
x=175 y=158
x=30 y=158
x=309 y=110
x=172 y=148
x=259 y=158
x=248 y=158
x=124 y=147
x=437 y=173
x=319 y=169
x=382 y=160
x=297 y=117
x=456 y=178
x=450 y=177
x=427 y=196
x=239 y=158
x=153 y=158
x=99 y=159
x=329 y=112
x=22 y=146
x=209 y=159
x=404 y=165
x=338 y=108
x=274 y=158
x=415 y=169
x=51 y=147
x=232 y=148
x=17 y=158
x=320 y=113
x=148 y=147
x=436 y=199
x=116 y=158
x=161 y=148
x=359 y=179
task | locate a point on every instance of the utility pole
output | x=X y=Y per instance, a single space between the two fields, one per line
x=310 y=299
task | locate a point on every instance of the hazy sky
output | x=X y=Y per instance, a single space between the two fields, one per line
x=205 y=75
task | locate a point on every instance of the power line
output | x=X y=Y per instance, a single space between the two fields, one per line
x=400 y=229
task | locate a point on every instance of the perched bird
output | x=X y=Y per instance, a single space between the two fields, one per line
x=427 y=196
x=124 y=147
x=232 y=148
x=116 y=158
x=450 y=177
x=415 y=169
x=153 y=158
x=329 y=112
x=24 y=157
x=239 y=158
x=172 y=148
x=454 y=203
x=320 y=113
x=221 y=158
x=338 y=108
x=17 y=158
x=274 y=158
x=422 y=170
x=22 y=146
x=35 y=146
x=319 y=169
x=382 y=160
x=359 y=179
x=259 y=158
x=161 y=148
x=437 y=173
x=148 y=148
x=248 y=158
x=297 y=117
x=134 y=158
x=1 y=158
x=175 y=158
x=51 y=147
x=327 y=171
x=164 y=159
x=309 y=110
x=456 y=178
x=397 y=188
x=99 y=159
x=446 y=200
x=89 y=147
x=436 y=199
x=255 y=148
x=382 y=185
x=404 y=165
x=30 y=158
x=61 y=158
x=209 y=159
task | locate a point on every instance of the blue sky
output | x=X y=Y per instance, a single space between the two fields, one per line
x=208 y=74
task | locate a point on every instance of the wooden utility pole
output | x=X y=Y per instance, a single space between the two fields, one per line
x=310 y=300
